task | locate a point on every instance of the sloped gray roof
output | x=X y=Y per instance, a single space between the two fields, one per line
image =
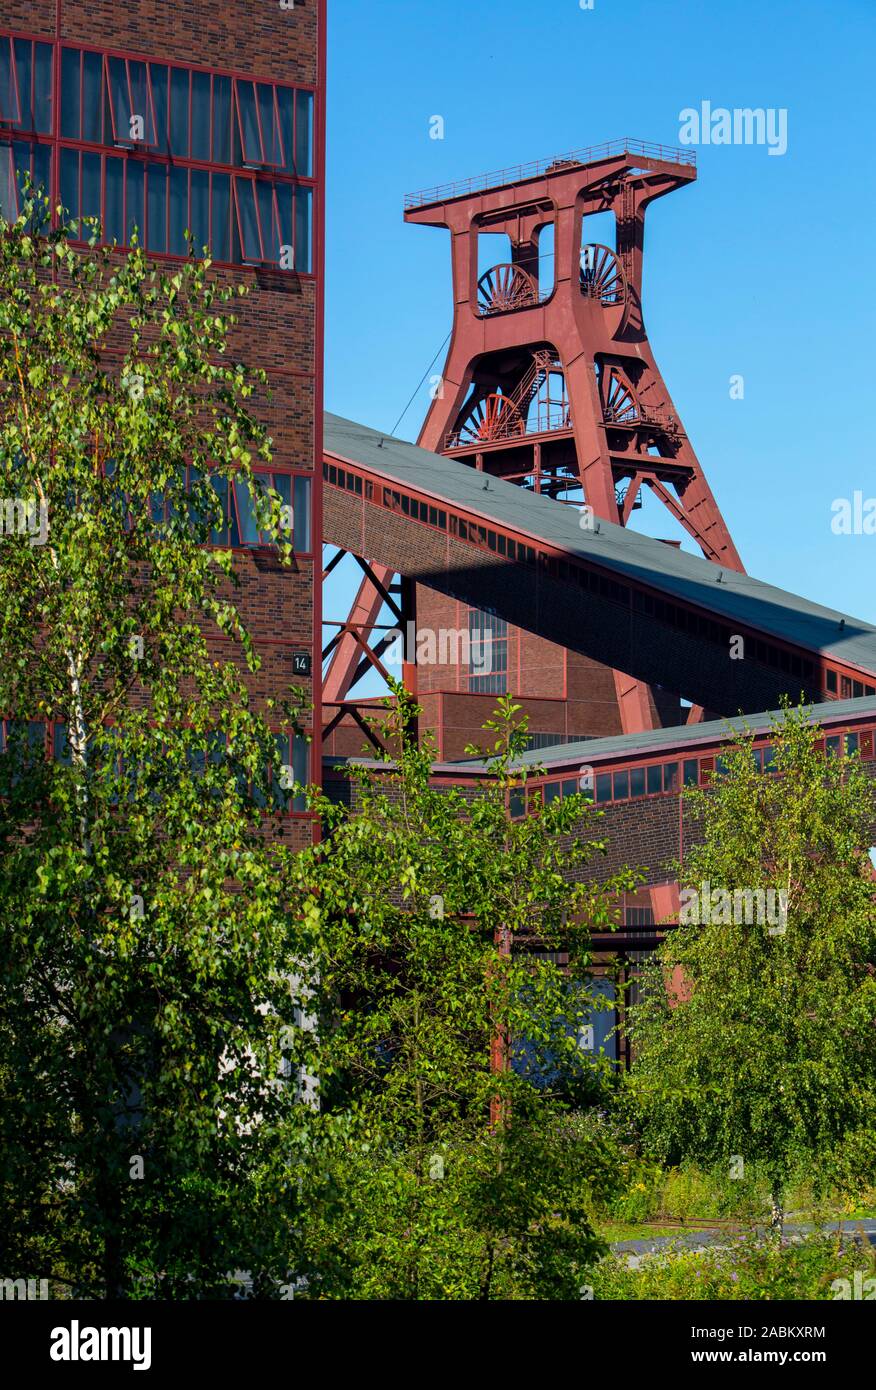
x=726 y=594
x=619 y=747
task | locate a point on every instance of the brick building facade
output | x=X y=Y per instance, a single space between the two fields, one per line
x=170 y=116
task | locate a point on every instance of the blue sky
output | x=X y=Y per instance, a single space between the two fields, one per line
x=763 y=267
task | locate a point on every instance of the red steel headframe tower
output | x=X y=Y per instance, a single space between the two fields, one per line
x=550 y=381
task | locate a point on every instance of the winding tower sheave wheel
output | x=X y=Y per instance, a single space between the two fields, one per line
x=493 y=417
x=602 y=275
x=505 y=287
x=619 y=404
x=603 y=281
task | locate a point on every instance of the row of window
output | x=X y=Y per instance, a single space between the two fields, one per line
x=845 y=687
x=601 y=585
x=172 y=112
x=240 y=218
x=394 y=500
x=211 y=118
x=155 y=116
x=238 y=504
x=661 y=779
x=48 y=741
x=241 y=528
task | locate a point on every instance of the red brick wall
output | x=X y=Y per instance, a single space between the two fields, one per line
x=280 y=321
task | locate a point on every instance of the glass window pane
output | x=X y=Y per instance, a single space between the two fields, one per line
x=301 y=541
x=142 y=126
x=70 y=93
x=219 y=536
x=157 y=207
x=120 y=104
x=42 y=88
x=248 y=218
x=655 y=780
x=303 y=218
x=637 y=782
x=70 y=182
x=179 y=211
x=304 y=134
x=61 y=751
x=42 y=167
x=199 y=215
x=300 y=768
x=250 y=150
x=114 y=229
x=21 y=150
x=691 y=772
x=179 y=112
x=8 y=190
x=670 y=777
x=90 y=190
x=249 y=534
x=271 y=144
x=221 y=120
x=92 y=97
x=158 y=78
x=22 y=50
x=268 y=220
x=621 y=786
x=134 y=200
x=220 y=232
x=285 y=206
x=10 y=106
x=201 y=116
x=603 y=786
x=286 y=107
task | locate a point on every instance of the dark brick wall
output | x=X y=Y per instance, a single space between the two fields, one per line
x=252 y=37
x=563 y=692
x=629 y=641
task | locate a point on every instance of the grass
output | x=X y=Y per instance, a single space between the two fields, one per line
x=815 y=1267
x=647 y=1230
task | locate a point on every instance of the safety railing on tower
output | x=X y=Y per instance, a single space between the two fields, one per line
x=516 y=173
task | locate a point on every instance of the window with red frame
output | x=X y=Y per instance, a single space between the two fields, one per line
x=135 y=139
x=241 y=528
x=25 y=85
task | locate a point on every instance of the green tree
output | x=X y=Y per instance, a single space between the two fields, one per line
x=441 y=925
x=148 y=1000
x=755 y=1034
